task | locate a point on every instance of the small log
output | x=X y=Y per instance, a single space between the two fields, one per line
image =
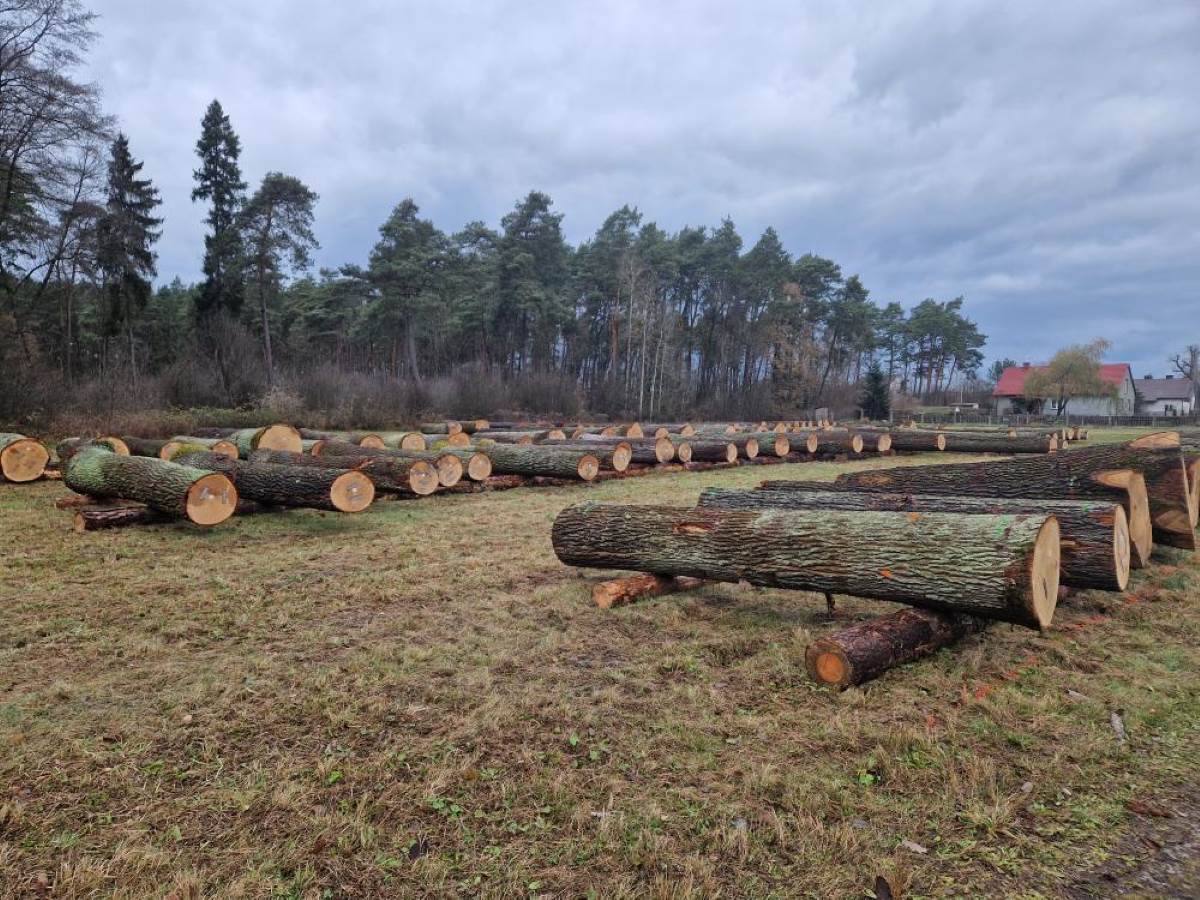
x=622 y=591
x=866 y=650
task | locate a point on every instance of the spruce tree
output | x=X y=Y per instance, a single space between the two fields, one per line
x=125 y=237
x=875 y=401
x=219 y=180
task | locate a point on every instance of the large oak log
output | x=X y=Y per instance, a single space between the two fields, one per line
x=1076 y=474
x=1094 y=533
x=270 y=437
x=697 y=450
x=1000 y=567
x=199 y=495
x=514 y=459
x=875 y=441
x=22 y=458
x=646 y=451
x=395 y=471
x=340 y=490
x=613 y=457
x=775 y=443
x=963 y=442
x=866 y=650
x=917 y=440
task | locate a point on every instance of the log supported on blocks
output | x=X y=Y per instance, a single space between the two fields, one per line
x=178 y=491
x=1096 y=551
x=91 y=516
x=999 y=567
x=21 y=458
x=1068 y=474
x=866 y=650
x=340 y=490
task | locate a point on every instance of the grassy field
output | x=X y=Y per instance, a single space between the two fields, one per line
x=420 y=701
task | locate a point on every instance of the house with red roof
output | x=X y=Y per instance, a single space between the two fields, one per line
x=1010 y=398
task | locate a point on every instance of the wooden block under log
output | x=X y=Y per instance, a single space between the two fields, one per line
x=621 y=591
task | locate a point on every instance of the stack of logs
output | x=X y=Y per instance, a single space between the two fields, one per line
x=962 y=544
x=280 y=466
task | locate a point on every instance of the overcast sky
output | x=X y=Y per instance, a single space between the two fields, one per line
x=1039 y=158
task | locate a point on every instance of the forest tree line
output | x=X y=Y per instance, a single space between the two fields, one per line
x=635 y=320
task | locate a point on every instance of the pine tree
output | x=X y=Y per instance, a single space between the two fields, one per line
x=276 y=226
x=219 y=180
x=875 y=401
x=126 y=234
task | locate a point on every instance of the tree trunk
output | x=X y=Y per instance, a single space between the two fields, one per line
x=621 y=591
x=1095 y=533
x=1003 y=567
x=875 y=441
x=177 y=490
x=1074 y=474
x=512 y=459
x=340 y=490
x=22 y=459
x=613 y=457
x=865 y=651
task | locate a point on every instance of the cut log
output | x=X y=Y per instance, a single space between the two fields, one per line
x=875 y=441
x=340 y=490
x=513 y=459
x=613 y=457
x=404 y=440
x=70 y=446
x=646 y=451
x=22 y=459
x=963 y=442
x=272 y=437
x=662 y=429
x=145 y=446
x=449 y=464
x=215 y=445
x=833 y=443
x=697 y=450
x=774 y=443
x=864 y=651
x=1070 y=474
x=179 y=491
x=622 y=591
x=1094 y=533
x=909 y=441
x=998 y=567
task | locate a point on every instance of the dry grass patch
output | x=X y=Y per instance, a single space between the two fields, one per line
x=421 y=701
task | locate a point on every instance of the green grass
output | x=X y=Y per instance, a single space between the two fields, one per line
x=421 y=701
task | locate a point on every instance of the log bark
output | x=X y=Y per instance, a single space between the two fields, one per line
x=613 y=457
x=706 y=451
x=622 y=591
x=748 y=445
x=178 y=491
x=774 y=443
x=513 y=459
x=1095 y=551
x=961 y=442
x=339 y=490
x=22 y=459
x=270 y=437
x=646 y=451
x=145 y=446
x=1069 y=474
x=875 y=441
x=865 y=651
x=1000 y=567
x=662 y=429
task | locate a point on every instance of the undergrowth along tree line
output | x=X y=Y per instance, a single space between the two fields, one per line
x=633 y=321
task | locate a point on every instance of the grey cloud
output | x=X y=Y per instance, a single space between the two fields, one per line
x=1039 y=158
